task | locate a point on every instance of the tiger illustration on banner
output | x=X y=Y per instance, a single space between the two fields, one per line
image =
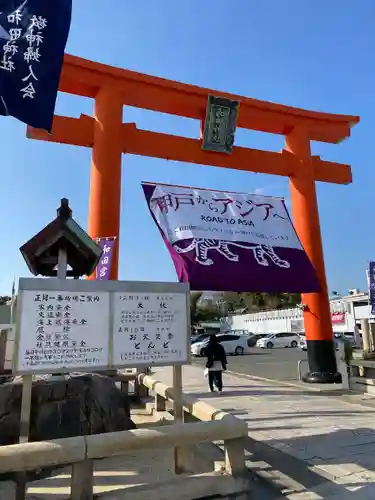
x=262 y=253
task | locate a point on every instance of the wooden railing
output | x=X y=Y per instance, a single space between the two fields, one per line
x=192 y=407
x=361 y=375
x=358 y=373
x=80 y=452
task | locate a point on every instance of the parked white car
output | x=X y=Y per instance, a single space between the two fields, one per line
x=238 y=332
x=233 y=344
x=282 y=339
x=302 y=343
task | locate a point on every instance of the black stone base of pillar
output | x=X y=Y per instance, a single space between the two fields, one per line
x=322 y=363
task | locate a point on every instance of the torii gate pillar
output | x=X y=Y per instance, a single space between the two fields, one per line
x=317 y=314
x=105 y=179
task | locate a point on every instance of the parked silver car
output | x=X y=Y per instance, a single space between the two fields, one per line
x=346 y=337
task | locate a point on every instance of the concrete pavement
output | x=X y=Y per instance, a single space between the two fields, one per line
x=312 y=445
x=278 y=364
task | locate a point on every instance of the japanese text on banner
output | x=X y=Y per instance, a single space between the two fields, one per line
x=32 y=43
x=185 y=213
x=103 y=269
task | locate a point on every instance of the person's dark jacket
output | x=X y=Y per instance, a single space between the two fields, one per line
x=215 y=352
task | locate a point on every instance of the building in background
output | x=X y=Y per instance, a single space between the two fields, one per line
x=346 y=312
x=6 y=337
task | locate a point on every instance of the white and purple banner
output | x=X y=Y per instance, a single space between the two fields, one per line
x=230 y=241
x=103 y=269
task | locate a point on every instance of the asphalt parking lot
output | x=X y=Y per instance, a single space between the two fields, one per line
x=278 y=364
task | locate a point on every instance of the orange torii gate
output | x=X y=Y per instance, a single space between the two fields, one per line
x=109 y=137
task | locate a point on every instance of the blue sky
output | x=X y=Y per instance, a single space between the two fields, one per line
x=312 y=54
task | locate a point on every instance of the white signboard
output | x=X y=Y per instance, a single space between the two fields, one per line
x=186 y=213
x=63 y=330
x=150 y=328
x=82 y=325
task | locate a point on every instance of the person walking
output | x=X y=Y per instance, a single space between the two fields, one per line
x=216 y=363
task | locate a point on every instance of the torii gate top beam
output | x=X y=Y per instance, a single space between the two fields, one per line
x=86 y=78
x=83 y=77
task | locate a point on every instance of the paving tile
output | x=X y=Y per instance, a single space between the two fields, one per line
x=333 y=437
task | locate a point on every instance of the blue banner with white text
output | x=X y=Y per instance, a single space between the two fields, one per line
x=33 y=36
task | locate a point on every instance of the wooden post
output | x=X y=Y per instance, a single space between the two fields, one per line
x=182 y=455
x=62 y=270
x=235 y=456
x=177 y=395
x=3 y=347
x=140 y=390
x=105 y=180
x=365 y=327
x=21 y=481
x=160 y=403
x=343 y=366
x=124 y=384
x=317 y=314
x=62 y=264
x=82 y=486
x=372 y=336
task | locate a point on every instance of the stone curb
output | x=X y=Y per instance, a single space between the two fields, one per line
x=343 y=394
x=279 y=382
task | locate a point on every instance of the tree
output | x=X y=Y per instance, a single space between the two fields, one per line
x=253 y=301
x=4 y=299
x=260 y=301
x=194 y=300
x=202 y=310
x=207 y=313
x=228 y=302
x=289 y=300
